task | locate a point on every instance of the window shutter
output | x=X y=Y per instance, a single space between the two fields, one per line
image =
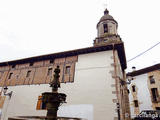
x=2 y=99
x=39 y=103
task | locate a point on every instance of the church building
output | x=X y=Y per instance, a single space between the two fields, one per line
x=93 y=79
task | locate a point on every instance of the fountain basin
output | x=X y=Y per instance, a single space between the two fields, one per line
x=50 y=97
x=41 y=118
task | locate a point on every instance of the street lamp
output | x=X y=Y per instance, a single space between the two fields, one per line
x=5 y=92
x=128 y=81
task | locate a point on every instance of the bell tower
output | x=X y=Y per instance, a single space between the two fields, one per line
x=107 y=30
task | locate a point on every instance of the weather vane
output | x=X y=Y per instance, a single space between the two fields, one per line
x=105 y=5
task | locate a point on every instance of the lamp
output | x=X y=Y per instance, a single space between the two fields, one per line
x=5 y=92
x=126 y=82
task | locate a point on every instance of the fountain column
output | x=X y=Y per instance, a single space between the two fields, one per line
x=53 y=99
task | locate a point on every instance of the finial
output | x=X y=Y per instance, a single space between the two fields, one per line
x=106 y=11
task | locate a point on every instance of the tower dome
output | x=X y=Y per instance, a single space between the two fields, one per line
x=106 y=16
x=106 y=30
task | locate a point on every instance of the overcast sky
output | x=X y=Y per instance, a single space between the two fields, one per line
x=37 y=27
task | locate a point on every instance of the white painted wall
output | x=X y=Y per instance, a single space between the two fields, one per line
x=143 y=94
x=90 y=96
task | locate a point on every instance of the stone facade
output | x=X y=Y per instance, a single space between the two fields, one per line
x=155 y=75
x=144 y=89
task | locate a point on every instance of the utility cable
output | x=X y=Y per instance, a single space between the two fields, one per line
x=144 y=52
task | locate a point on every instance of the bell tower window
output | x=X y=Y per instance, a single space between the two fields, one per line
x=105 y=27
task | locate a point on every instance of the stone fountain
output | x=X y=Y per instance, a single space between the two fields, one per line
x=52 y=100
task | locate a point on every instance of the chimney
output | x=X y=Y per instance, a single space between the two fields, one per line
x=133 y=68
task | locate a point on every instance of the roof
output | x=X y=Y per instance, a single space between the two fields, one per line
x=119 y=47
x=144 y=70
x=106 y=16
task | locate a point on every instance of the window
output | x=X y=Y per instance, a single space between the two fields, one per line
x=134 y=88
x=40 y=104
x=155 y=95
x=49 y=71
x=10 y=75
x=51 y=61
x=13 y=66
x=31 y=64
x=28 y=73
x=136 y=103
x=128 y=91
x=151 y=79
x=67 y=71
x=157 y=108
x=105 y=27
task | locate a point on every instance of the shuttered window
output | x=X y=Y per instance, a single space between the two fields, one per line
x=40 y=104
x=2 y=99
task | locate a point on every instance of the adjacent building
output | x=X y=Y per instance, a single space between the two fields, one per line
x=90 y=77
x=144 y=89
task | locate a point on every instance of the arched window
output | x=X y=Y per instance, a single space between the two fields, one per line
x=105 y=27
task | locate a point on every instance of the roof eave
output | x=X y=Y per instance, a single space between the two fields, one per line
x=119 y=47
